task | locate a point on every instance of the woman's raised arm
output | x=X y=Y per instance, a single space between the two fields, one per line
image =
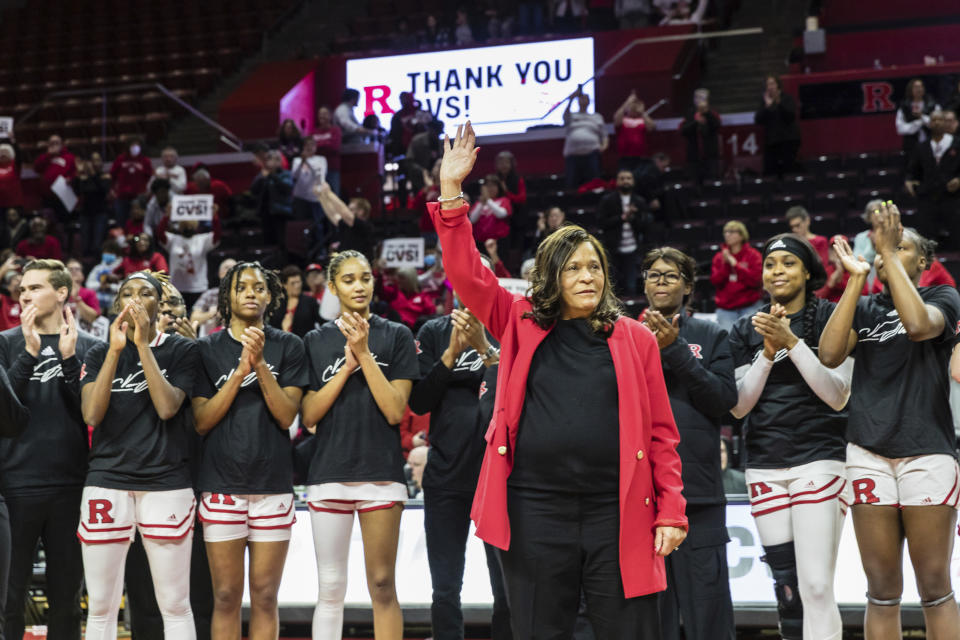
x=473 y=282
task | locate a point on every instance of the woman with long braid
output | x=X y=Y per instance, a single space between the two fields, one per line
x=794 y=422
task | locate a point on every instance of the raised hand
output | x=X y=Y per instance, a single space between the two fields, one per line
x=68 y=335
x=854 y=265
x=141 y=324
x=253 y=340
x=665 y=331
x=118 y=330
x=776 y=333
x=887 y=229
x=471 y=329
x=459 y=156
x=355 y=329
x=186 y=328
x=28 y=326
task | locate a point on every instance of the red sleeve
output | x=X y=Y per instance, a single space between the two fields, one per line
x=664 y=439
x=115 y=168
x=935 y=275
x=751 y=273
x=71 y=168
x=90 y=299
x=336 y=138
x=54 y=248
x=22 y=249
x=216 y=229
x=41 y=163
x=501 y=271
x=476 y=285
x=719 y=270
x=159 y=263
x=162 y=230
x=147 y=167
x=520 y=197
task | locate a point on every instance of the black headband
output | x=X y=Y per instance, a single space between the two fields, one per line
x=143 y=275
x=803 y=250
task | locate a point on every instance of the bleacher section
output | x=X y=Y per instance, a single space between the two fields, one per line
x=185 y=46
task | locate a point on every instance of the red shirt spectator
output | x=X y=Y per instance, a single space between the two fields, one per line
x=56 y=162
x=936 y=274
x=131 y=173
x=328 y=137
x=513 y=185
x=203 y=183
x=632 y=124
x=410 y=425
x=410 y=306
x=834 y=288
x=822 y=245
x=490 y=215
x=9 y=313
x=154 y=261
x=11 y=193
x=38 y=244
x=48 y=247
x=737 y=286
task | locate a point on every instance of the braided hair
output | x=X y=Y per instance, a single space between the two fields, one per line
x=337 y=260
x=231 y=282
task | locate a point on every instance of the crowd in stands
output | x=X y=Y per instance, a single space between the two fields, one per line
x=121 y=222
x=438 y=25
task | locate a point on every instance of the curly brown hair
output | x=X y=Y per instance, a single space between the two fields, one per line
x=545 y=292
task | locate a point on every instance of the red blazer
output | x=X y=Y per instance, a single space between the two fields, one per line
x=650 y=486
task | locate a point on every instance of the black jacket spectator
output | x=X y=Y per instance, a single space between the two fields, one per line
x=698 y=370
x=703 y=143
x=305 y=317
x=781 y=133
x=610 y=219
x=938 y=207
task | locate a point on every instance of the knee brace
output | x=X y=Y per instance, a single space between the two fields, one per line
x=894 y=602
x=936 y=603
x=782 y=560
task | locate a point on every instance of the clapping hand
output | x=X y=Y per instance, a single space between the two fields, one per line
x=854 y=265
x=666 y=331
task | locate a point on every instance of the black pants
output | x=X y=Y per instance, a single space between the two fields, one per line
x=559 y=544
x=53 y=518
x=698 y=583
x=780 y=157
x=446 y=521
x=146 y=623
x=625 y=270
x=5 y=559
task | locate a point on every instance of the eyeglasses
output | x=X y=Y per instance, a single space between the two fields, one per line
x=670 y=277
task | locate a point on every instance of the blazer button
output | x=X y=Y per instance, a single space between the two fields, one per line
x=646 y=501
x=640 y=454
x=502 y=450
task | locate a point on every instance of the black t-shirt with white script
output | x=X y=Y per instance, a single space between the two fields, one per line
x=357 y=444
x=450 y=396
x=790 y=425
x=132 y=448
x=248 y=452
x=899 y=403
x=51 y=452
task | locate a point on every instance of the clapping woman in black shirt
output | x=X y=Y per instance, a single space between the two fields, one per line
x=133 y=391
x=901 y=459
x=362 y=368
x=793 y=426
x=248 y=391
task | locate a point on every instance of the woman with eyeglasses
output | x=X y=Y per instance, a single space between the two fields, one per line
x=794 y=421
x=698 y=370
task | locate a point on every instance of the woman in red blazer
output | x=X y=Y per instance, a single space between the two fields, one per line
x=580 y=485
